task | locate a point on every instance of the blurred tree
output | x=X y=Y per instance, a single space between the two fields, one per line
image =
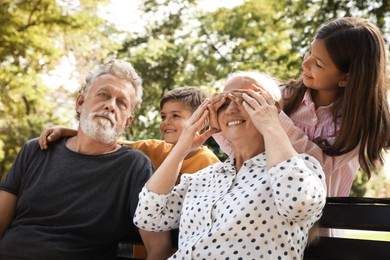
x=375 y=187
x=181 y=45
x=160 y=55
x=34 y=35
x=359 y=186
x=184 y=45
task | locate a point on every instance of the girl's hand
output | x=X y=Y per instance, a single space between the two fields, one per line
x=54 y=133
x=260 y=107
x=266 y=95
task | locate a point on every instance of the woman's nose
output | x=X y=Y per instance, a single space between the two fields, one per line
x=232 y=107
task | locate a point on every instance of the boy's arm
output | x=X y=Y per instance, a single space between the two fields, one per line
x=54 y=133
x=7 y=210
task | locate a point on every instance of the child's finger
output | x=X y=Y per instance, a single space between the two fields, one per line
x=198 y=112
x=213 y=120
x=43 y=139
x=264 y=96
x=52 y=137
x=239 y=101
x=253 y=87
x=218 y=100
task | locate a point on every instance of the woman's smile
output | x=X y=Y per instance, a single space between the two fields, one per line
x=235 y=122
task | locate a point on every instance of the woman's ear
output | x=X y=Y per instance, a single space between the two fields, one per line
x=344 y=80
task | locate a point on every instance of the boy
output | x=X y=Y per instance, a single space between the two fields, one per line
x=176 y=106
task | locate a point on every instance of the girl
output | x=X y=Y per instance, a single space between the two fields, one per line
x=337 y=110
x=340 y=101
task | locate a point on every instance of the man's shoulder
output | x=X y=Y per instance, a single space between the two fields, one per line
x=34 y=142
x=31 y=145
x=134 y=158
x=133 y=152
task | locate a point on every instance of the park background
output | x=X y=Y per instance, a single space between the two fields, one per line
x=48 y=46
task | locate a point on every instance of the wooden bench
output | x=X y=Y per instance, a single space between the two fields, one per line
x=368 y=214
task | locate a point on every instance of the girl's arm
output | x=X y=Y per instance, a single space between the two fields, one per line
x=223 y=144
x=301 y=143
x=264 y=116
x=54 y=133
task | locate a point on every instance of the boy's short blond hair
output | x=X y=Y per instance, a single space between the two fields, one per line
x=192 y=97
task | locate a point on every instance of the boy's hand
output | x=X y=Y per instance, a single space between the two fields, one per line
x=54 y=133
x=48 y=135
x=216 y=102
x=190 y=138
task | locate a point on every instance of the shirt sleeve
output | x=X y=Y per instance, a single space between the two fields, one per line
x=302 y=144
x=298 y=186
x=160 y=212
x=12 y=181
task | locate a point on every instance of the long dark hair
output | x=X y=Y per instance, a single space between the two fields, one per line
x=357 y=47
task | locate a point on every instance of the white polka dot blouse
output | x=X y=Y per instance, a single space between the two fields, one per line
x=250 y=214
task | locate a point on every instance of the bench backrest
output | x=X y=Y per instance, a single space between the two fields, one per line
x=369 y=214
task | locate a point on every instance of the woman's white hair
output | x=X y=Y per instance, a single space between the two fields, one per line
x=269 y=83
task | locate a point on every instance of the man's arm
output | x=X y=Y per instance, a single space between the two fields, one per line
x=7 y=210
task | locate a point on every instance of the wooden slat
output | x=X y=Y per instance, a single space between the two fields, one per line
x=357 y=213
x=348 y=249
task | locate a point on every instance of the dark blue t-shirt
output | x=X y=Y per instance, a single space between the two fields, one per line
x=75 y=205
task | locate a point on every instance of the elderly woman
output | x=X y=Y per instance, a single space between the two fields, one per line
x=259 y=203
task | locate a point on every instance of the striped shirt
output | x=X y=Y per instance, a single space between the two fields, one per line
x=307 y=124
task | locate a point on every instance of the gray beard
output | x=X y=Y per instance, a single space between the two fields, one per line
x=99 y=129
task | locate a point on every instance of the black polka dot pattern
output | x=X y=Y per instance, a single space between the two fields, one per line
x=252 y=214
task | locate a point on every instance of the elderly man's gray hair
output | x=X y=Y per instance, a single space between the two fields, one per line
x=122 y=70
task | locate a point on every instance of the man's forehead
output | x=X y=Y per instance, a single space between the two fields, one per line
x=107 y=81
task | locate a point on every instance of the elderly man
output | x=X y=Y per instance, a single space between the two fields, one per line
x=76 y=200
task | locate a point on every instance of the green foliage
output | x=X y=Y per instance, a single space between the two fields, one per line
x=188 y=46
x=251 y=36
x=181 y=45
x=359 y=187
x=34 y=35
x=160 y=57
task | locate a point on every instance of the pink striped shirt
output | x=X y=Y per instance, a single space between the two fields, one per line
x=307 y=124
